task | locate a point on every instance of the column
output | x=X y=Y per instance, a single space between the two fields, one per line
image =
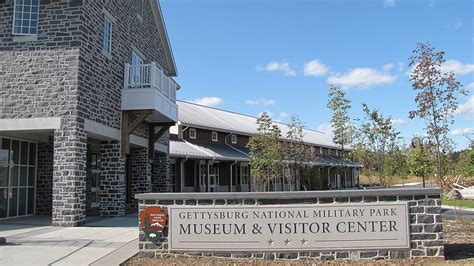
x=69 y=174
x=140 y=173
x=112 y=179
x=161 y=173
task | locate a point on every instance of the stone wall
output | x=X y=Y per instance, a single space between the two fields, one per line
x=140 y=173
x=426 y=228
x=161 y=181
x=112 y=179
x=44 y=178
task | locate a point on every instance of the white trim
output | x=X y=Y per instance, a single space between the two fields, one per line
x=233 y=139
x=30 y=124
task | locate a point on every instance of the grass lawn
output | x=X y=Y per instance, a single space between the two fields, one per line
x=459 y=203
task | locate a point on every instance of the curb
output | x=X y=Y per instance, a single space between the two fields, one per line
x=457 y=208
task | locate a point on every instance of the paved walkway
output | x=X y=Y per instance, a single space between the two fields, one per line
x=31 y=241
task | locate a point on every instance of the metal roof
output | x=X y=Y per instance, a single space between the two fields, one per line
x=191 y=114
x=208 y=151
x=230 y=153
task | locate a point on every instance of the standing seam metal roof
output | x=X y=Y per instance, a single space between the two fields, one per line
x=192 y=114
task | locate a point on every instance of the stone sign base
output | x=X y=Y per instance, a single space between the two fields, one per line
x=425 y=228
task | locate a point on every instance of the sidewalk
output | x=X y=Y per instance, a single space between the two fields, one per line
x=100 y=242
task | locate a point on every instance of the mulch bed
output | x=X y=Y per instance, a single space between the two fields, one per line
x=459 y=249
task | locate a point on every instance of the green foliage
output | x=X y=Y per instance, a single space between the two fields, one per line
x=343 y=129
x=466 y=163
x=396 y=163
x=295 y=150
x=311 y=178
x=265 y=152
x=376 y=138
x=420 y=162
x=436 y=97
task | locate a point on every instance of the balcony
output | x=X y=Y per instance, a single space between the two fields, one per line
x=146 y=87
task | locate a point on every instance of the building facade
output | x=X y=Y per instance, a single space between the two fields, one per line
x=208 y=151
x=86 y=102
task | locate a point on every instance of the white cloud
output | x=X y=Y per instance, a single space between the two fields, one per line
x=326 y=128
x=387 y=67
x=458 y=24
x=278 y=66
x=462 y=131
x=457 y=67
x=398 y=122
x=264 y=102
x=361 y=77
x=315 y=68
x=389 y=3
x=467 y=108
x=471 y=86
x=208 y=101
x=401 y=66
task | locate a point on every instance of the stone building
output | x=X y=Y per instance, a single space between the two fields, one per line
x=208 y=151
x=86 y=102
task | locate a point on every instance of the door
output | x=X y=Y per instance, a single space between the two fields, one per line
x=214 y=178
x=95 y=181
x=137 y=71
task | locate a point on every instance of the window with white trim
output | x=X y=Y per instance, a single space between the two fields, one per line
x=312 y=150
x=233 y=139
x=244 y=174
x=192 y=133
x=107 y=36
x=25 y=17
x=215 y=136
x=321 y=150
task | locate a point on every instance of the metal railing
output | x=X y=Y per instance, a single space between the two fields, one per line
x=150 y=75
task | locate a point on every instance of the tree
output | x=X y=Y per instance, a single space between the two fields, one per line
x=436 y=97
x=265 y=152
x=376 y=138
x=466 y=163
x=295 y=150
x=420 y=162
x=343 y=129
x=396 y=162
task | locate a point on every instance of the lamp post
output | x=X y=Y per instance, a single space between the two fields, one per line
x=421 y=141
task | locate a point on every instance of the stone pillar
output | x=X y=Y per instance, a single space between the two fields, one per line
x=112 y=179
x=140 y=172
x=44 y=178
x=69 y=175
x=161 y=173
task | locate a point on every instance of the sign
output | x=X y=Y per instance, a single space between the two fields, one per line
x=289 y=227
x=152 y=222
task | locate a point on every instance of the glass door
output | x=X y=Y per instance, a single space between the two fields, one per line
x=17 y=177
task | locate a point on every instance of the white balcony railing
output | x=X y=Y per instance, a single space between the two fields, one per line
x=146 y=87
x=149 y=75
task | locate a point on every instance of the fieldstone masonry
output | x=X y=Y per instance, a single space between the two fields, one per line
x=112 y=179
x=69 y=176
x=140 y=172
x=161 y=181
x=426 y=228
x=44 y=178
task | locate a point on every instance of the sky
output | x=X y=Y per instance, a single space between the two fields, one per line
x=279 y=56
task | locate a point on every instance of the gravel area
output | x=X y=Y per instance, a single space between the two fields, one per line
x=459 y=250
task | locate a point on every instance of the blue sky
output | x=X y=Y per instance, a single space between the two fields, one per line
x=251 y=56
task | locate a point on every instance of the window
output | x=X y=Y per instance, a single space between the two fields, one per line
x=312 y=150
x=321 y=150
x=25 y=17
x=137 y=73
x=192 y=133
x=337 y=152
x=215 y=136
x=244 y=174
x=107 y=36
x=233 y=139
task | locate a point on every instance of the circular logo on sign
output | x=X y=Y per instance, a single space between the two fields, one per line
x=153 y=221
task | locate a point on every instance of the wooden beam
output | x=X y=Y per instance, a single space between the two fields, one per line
x=154 y=135
x=130 y=121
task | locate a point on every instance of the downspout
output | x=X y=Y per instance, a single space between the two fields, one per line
x=181 y=135
x=182 y=173
x=231 y=175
